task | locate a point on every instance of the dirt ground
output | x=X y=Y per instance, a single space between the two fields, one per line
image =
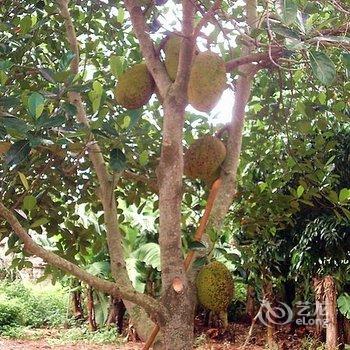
x=6 y=344
x=209 y=339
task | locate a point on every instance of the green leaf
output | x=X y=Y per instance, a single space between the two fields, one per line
x=144 y=159
x=36 y=104
x=66 y=60
x=300 y=191
x=121 y=15
x=99 y=268
x=116 y=64
x=95 y=95
x=5 y=65
x=149 y=253
x=134 y=275
x=344 y=195
x=117 y=160
x=29 y=203
x=346 y=60
x=322 y=67
x=15 y=124
x=290 y=11
x=200 y=262
x=3 y=77
x=285 y=32
x=18 y=152
x=47 y=74
x=25 y=24
x=24 y=180
x=344 y=304
x=195 y=245
x=47 y=122
x=39 y=222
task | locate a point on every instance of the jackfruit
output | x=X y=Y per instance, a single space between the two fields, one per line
x=215 y=287
x=135 y=87
x=202 y=160
x=172 y=52
x=207 y=81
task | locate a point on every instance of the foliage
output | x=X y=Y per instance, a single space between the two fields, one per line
x=83 y=335
x=344 y=304
x=35 y=307
x=312 y=344
x=10 y=313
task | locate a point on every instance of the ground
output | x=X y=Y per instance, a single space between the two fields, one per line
x=6 y=344
x=210 y=339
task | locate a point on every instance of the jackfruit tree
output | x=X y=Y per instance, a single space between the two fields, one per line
x=108 y=108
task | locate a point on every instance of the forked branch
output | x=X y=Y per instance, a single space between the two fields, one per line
x=148 y=303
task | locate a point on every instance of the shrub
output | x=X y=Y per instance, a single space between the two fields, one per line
x=9 y=313
x=38 y=306
x=84 y=335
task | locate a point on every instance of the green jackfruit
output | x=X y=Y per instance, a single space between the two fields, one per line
x=172 y=52
x=215 y=287
x=207 y=81
x=135 y=87
x=204 y=158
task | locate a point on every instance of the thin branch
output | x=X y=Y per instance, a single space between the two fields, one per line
x=254 y=57
x=149 y=52
x=252 y=327
x=187 y=47
x=152 y=184
x=207 y=17
x=106 y=181
x=151 y=305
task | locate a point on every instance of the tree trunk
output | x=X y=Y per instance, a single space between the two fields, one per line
x=331 y=312
x=319 y=310
x=250 y=303
x=112 y=312
x=91 y=309
x=268 y=297
x=346 y=331
x=116 y=313
x=77 y=308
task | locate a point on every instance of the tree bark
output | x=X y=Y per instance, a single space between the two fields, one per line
x=91 y=309
x=77 y=308
x=319 y=301
x=116 y=314
x=268 y=296
x=346 y=330
x=250 y=303
x=330 y=297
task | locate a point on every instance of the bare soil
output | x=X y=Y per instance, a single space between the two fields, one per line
x=209 y=339
x=42 y=344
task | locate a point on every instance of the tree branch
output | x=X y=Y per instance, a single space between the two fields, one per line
x=114 y=238
x=251 y=58
x=186 y=49
x=207 y=17
x=149 y=52
x=227 y=190
x=152 y=184
x=148 y=303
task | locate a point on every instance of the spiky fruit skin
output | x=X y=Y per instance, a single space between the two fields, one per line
x=172 y=52
x=203 y=158
x=215 y=287
x=135 y=87
x=207 y=81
